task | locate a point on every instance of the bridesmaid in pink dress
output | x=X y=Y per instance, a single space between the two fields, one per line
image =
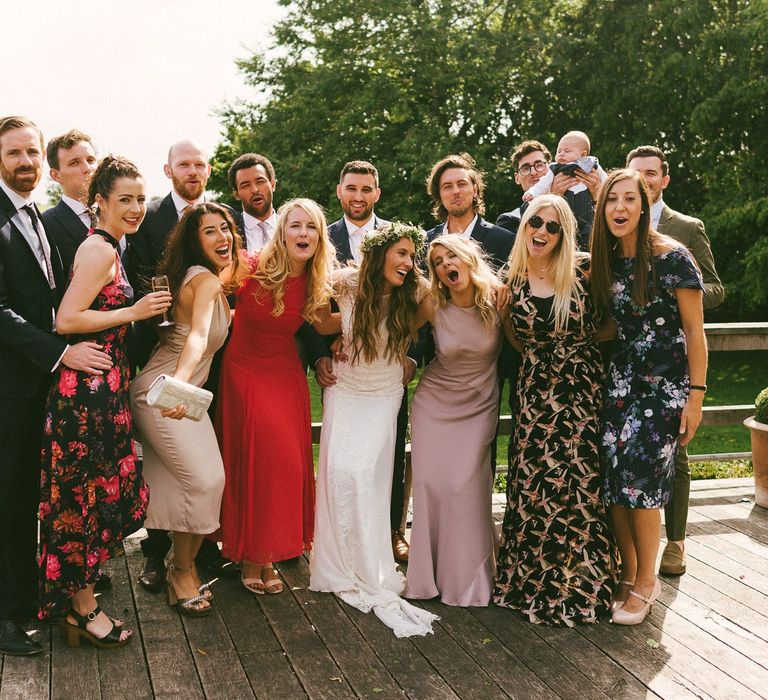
x=453 y=422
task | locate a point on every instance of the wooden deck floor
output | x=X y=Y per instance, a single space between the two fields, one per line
x=707 y=639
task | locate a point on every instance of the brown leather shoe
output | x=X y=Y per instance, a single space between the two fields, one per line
x=672 y=560
x=399 y=547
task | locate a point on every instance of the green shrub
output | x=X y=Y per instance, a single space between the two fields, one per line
x=761 y=406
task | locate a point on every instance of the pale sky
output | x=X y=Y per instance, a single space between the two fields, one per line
x=136 y=76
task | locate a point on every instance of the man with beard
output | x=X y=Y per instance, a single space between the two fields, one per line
x=72 y=160
x=31 y=283
x=252 y=179
x=189 y=170
x=456 y=188
x=358 y=191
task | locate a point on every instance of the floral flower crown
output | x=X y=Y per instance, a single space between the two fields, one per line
x=394 y=232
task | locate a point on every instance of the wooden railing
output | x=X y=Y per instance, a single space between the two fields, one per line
x=720 y=337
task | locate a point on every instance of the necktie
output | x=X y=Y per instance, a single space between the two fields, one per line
x=263 y=233
x=30 y=210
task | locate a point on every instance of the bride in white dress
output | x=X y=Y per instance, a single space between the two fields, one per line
x=352 y=553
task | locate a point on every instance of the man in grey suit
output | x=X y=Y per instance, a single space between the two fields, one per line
x=72 y=160
x=651 y=162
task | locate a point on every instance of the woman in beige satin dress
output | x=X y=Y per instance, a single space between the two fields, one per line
x=182 y=462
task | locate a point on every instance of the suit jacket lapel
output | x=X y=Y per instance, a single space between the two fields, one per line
x=664 y=219
x=10 y=211
x=70 y=221
x=478 y=232
x=340 y=240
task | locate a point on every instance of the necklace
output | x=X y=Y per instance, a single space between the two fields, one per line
x=539 y=273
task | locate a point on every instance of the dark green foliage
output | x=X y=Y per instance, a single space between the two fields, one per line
x=761 y=406
x=405 y=82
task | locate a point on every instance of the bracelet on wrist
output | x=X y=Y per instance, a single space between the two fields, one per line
x=698 y=387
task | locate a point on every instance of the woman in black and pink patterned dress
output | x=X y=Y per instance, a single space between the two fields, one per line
x=92 y=493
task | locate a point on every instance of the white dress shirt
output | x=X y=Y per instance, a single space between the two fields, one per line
x=357 y=234
x=79 y=208
x=466 y=233
x=181 y=204
x=257 y=232
x=656 y=209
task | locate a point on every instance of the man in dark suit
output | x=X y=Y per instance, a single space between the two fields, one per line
x=72 y=160
x=252 y=180
x=530 y=161
x=358 y=192
x=456 y=188
x=31 y=280
x=189 y=170
x=652 y=163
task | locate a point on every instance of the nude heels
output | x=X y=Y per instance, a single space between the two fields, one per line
x=623 y=617
x=617 y=604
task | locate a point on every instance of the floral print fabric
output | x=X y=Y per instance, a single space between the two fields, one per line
x=92 y=492
x=557 y=559
x=647 y=384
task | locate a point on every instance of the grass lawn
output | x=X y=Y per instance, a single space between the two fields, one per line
x=732 y=378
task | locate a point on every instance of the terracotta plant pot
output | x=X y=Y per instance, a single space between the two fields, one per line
x=759 y=435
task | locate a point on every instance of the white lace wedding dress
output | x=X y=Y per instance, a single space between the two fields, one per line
x=352 y=552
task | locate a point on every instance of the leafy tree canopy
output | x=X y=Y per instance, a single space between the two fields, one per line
x=405 y=82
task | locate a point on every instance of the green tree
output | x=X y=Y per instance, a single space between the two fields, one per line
x=403 y=83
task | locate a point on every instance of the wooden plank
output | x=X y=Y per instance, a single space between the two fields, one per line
x=736 y=336
x=364 y=672
x=708 y=533
x=726 y=415
x=265 y=662
x=603 y=671
x=215 y=657
x=75 y=671
x=719 y=456
x=318 y=672
x=714 y=623
x=746 y=520
x=28 y=677
x=168 y=656
x=414 y=674
x=556 y=672
x=465 y=676
x=745 y=674
x=127 y=669
x=628 y=646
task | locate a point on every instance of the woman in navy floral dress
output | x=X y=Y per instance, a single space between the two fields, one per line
x=653 y=400
x=92 y=493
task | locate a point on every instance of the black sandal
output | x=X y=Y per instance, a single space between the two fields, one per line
x=72 y=633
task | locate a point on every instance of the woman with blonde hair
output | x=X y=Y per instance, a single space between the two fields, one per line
x=263 y=410
x=352 y=556
x=557 y=560
x=453 y=423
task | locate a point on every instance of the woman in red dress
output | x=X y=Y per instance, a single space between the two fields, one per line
x=263 y=410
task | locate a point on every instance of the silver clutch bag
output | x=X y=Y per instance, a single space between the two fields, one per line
x=167 y=392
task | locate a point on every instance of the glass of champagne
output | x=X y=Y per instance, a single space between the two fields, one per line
x=160 y=284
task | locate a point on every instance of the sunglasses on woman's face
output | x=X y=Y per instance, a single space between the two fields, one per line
x=552 y=227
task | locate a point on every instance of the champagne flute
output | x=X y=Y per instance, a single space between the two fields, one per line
x=160 y=284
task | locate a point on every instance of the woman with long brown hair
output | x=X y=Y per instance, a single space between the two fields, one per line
x=352 y=556
x=182 y=462
x=650 y=285
x=263 y=410
x=93 y=494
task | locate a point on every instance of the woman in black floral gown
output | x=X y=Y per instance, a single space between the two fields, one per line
x=557 y=560
x=92 y=493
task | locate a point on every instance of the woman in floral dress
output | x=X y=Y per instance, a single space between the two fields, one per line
x=92 y=493
x=651 y=286
x=557 y=560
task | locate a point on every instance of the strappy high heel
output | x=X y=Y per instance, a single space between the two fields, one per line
x=624 y=617
x=618 y=604
x=186 y=606
x=73 y=633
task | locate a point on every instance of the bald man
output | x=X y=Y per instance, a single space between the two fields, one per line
x=188 y=170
